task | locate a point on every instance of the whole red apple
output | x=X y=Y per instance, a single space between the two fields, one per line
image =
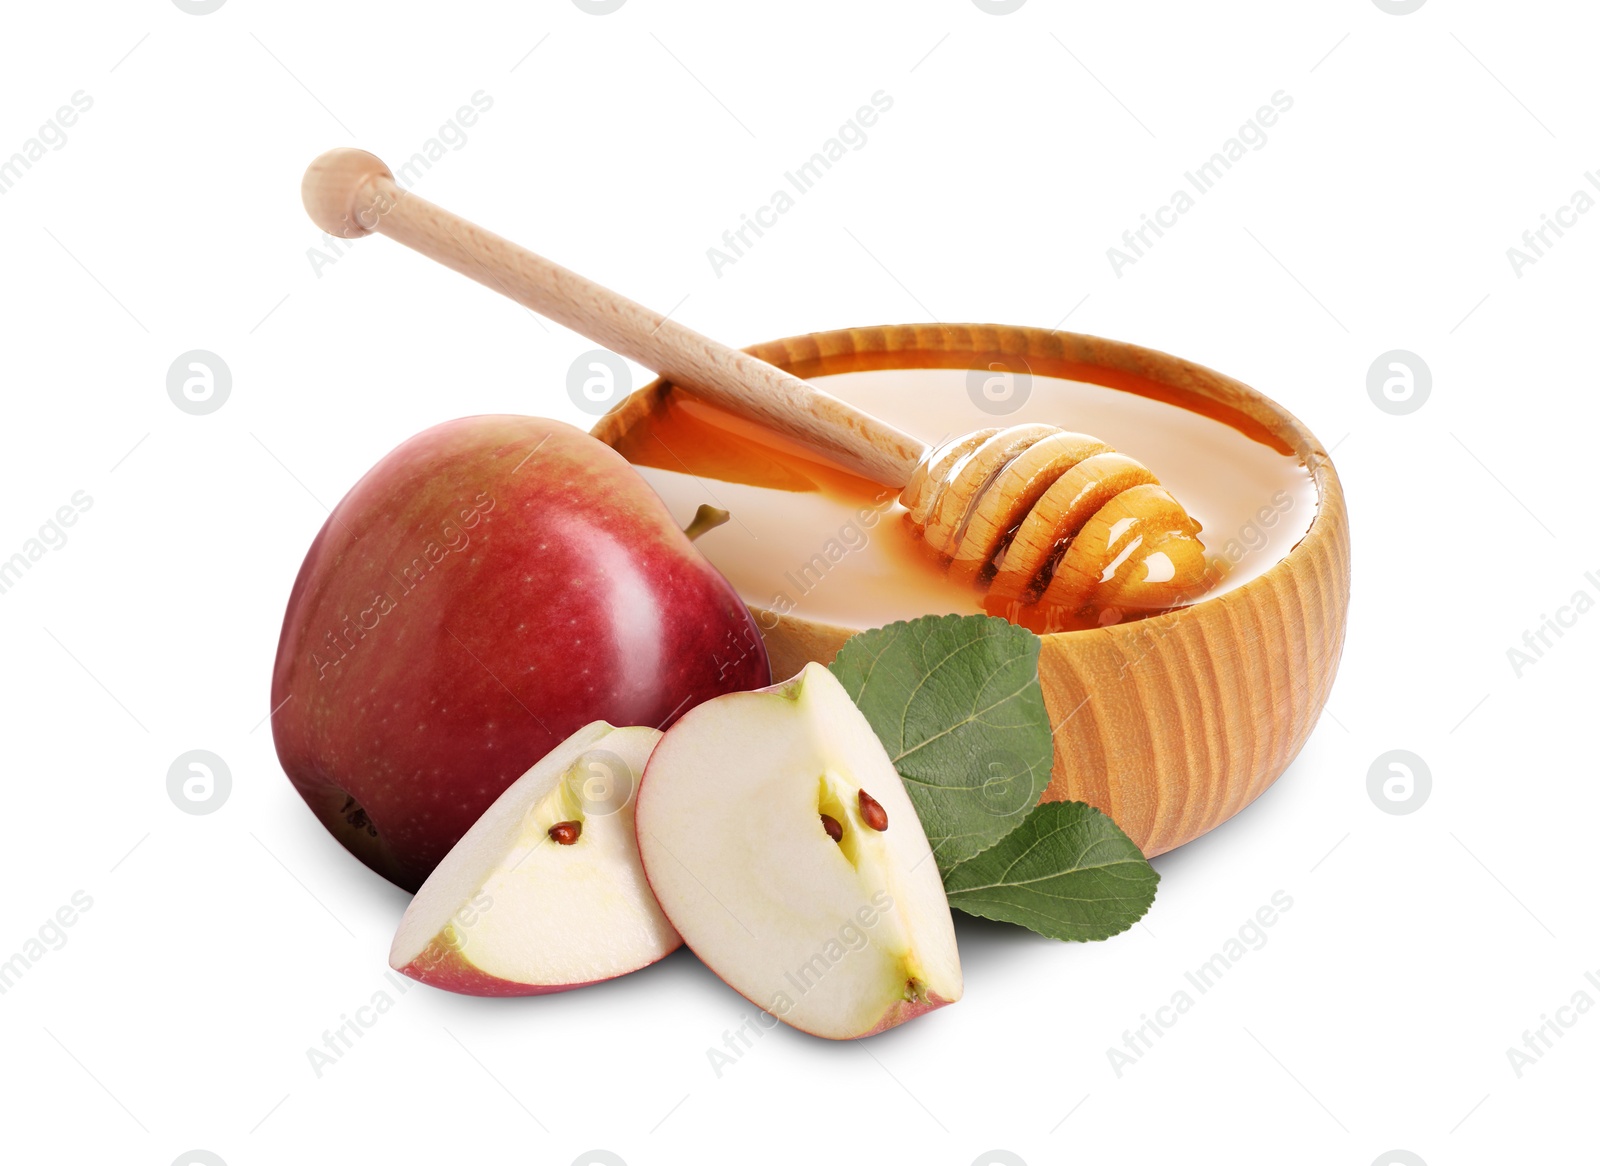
x=489 y=587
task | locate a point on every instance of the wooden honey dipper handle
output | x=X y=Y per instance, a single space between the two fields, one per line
x=350 y=193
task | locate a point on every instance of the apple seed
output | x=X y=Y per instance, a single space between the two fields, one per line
x=871 y=812
x=831 y=825
x=566 y=833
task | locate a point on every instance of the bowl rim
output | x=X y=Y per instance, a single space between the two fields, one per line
x=1053 y=353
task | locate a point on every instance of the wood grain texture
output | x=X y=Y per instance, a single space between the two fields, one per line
x=963 y=497
x=1171 y=724
x=350 y=193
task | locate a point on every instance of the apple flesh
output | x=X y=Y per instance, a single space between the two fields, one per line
x=489 y=587
x=780 y=842
x=545 y=891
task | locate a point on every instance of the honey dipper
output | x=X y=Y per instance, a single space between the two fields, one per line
x=1033 y=513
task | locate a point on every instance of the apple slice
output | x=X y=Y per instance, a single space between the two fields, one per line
x=545 y=891
x=779 y=840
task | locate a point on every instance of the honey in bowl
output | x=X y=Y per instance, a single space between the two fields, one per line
x=1170 y=723
x=809 y=539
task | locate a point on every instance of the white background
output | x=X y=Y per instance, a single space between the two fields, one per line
x=1377 y=216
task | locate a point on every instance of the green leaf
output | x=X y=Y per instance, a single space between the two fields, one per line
x=956 y=702
x=1067 y=872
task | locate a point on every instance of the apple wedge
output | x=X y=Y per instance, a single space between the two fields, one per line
x=545 y=891
x=781 y=844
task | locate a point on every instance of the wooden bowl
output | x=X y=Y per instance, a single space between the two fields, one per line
x=1174 y=723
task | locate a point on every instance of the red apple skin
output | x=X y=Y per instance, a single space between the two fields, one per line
x=441 y=966
x=901 y=1012
x=488 y=588
x=896 y=1014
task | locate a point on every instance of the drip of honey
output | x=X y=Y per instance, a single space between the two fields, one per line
x=811 y=540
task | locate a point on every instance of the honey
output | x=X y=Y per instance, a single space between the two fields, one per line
x=808 y=539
